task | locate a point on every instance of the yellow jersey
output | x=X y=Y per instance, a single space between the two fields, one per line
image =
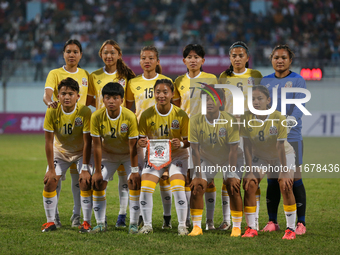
x=189 y=94
x=55 y=76
x=98 y=79
x=68 y=130
x=174 y=124
x=264 y=135
x=244 y=80
x=140 y=91
x=115 y=133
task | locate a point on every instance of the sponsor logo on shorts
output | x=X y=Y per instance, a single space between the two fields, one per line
x=273 y=130
x=124 y=128
x=175 y=124
x=78 y=122
x=84 y=82
x=222 y=132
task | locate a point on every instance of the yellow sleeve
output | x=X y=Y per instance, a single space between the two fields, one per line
x=184 y=126
x=91 y=89
x=233 y=132
x=243 y=130
x=48 y=122
x=282 y=132
x=142 y=127
x=133 y=129
x=193 y=136
x=87 y=121
x=51 y=81
x=94 y=126
x=129 y=95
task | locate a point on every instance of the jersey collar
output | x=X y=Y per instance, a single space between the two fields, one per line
x=151 y=78
x=120 y=112
x=70 y=72
x=198 y=75
x=209 y=123
x=163 y=115
x=109 y=73
x=68 y=113
x=259 y=120
x=241 y=73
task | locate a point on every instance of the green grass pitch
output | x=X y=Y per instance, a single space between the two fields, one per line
x=22 y=168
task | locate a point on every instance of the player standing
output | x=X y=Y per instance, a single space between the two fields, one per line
x=72 y=53
x=281 y=59
x=68 y=141
x=193 y=58
x=160 y=125
x=115 y=70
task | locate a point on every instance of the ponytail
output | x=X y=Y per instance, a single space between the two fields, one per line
x=123 y=71
x=159 y=69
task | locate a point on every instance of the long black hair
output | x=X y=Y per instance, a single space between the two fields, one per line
x=238 y=44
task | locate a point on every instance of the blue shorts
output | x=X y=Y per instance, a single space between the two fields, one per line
x=298 y=148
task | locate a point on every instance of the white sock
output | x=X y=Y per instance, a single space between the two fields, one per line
x=258 y=196
x=290 y=212
x=188 y=195
x=250 y=216
x=134 y=206
x=178 y=190
x=50 y=202
x=86 y=205
x=123 y=190
x=146 y=201
x=210 y=200
x=58 y=194
x=225 y=204
x=75 y=190
x=196 y=216
x=165 y=190
x=99 y=206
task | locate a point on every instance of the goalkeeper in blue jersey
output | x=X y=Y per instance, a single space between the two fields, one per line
x=281 y=59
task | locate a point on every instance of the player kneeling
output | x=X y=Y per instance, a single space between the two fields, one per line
x=215 y=145
x=267 y=151
x=68 y=126
x=114 y=132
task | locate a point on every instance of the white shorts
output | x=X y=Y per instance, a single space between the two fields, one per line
x=177 y=166
x=109 y=167
x=61 y=166
x=273 y=167
x=209 y=170
x=190 y=162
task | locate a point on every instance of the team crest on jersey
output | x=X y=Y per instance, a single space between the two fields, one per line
x=175 y=124
x=273 y=130
x=122 y=82
x=124 y=128
x=251 y=81
x=222 y=132
x=288 y=84
x=159 y=151
x=78 y=122
x=84 y=82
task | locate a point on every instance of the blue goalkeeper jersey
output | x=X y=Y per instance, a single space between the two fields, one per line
x=293 y=80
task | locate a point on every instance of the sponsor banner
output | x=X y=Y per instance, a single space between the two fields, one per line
x=173 y=65
x=321 y=123
x=16 y=123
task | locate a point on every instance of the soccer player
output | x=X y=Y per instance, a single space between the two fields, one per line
x=67 y=141
x=140 y=91
x=114 y=132
x=158 y=126
x=193 y=58
x=72 y=53
x=281 y=59
x=215 y=145
x=238 y=74
x=266 y=147
x=115 y=70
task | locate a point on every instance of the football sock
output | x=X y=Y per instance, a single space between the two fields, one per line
x=188 y=195
x=225 y=204
x=50 y=202
x=99 y=206
x=236 y=217
x=178 y=190
x=134 y=206
x=290 y=212
x=258 y=196
x=300 y=198
x=75 y=189
x=58 y=194
x=86 y=204
x=123 y=190
x=165 y=190
x=196 y=217
x=250 y=213
x=146 y=201
x=210 y=200
x=273 y=199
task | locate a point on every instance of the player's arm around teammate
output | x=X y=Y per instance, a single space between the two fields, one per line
x=159 y=125
x=66 y=142
x=267 y=150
